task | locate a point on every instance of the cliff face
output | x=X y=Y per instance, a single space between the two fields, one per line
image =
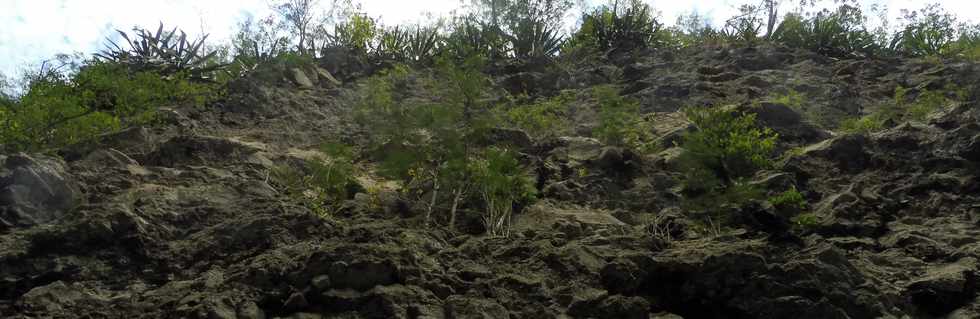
x=181 y=220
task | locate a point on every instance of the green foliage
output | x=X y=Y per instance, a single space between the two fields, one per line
x=162 y=52
x=616 y=28
x=864 y=124
x=355 y=34
x=620 y=121
x=533 y=39
x=725 y=148
x=543 y=117
x=424 y=44
x=59 y=110
x=902 y=109
x=791 y=98
x=502 y=183
x=743 y=28
x=256 y=42
x=928 y=31
x=840 y=33
x=791 y=199
x=805 y=221
x=471 y=38
x=326 y=182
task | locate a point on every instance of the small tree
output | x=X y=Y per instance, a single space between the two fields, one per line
x=502 y=184
x=297 y=15
x=725 y=148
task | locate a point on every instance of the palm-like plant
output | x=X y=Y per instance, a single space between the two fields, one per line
x=423 y=44
x=838 y=34
x=392 y=44
x=617 y=29
x=163 y=52
x=533 y=39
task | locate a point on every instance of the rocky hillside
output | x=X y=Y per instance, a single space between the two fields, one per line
x=182 y=219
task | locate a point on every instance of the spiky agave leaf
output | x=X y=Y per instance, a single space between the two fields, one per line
x=161 y=51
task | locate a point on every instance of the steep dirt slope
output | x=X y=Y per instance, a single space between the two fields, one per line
x=182 y=220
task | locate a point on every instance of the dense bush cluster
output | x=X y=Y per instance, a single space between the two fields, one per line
x=59 y=110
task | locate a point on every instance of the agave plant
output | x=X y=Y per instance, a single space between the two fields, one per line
x=424 y=44
x=533 y=39
x=470 y=37
x=391 y=44
x=163 y=52
x=838 y=34
x=615 y=28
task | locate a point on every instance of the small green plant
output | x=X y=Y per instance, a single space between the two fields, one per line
x=863 y=125
x=725 y=148
x=542 y=118
x=789 y=199
x=743 y=28
x=620 y=121
x=805 y=221
x=534 y=39
x=791 y=98
x=502 y=183
x=902 y=109
x=326 y=182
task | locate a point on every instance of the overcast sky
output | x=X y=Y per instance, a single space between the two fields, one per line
x=34 y=30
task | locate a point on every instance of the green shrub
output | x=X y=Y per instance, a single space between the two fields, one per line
x=805 y=221
x=743 y=28
x=533 y=39
x=901 y=109
x=725 y=148
x=620 y=121
x=424 y=44
x=836 y=34
x=471 y=38
x=613 y=29
x=791 y=98
x=254 y=43
x=502 y=183
x=356 y=34
x=326 y=183
x=542 y=118
x=864 y=124
x=928 y=31
x=790 y=198
x=59 y=110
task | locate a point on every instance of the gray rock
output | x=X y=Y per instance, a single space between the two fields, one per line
x=327 y=78
x=301 y=79
x=945 y=288
x=35 y=189
x=458 y=307
x=52 y=297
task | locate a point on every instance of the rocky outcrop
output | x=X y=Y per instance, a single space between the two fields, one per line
x=34 y=190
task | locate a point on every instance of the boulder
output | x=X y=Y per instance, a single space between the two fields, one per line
x=301 y=79
x=459 y=307
x=327 y=78
x=945 y=288
x=34 y=189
